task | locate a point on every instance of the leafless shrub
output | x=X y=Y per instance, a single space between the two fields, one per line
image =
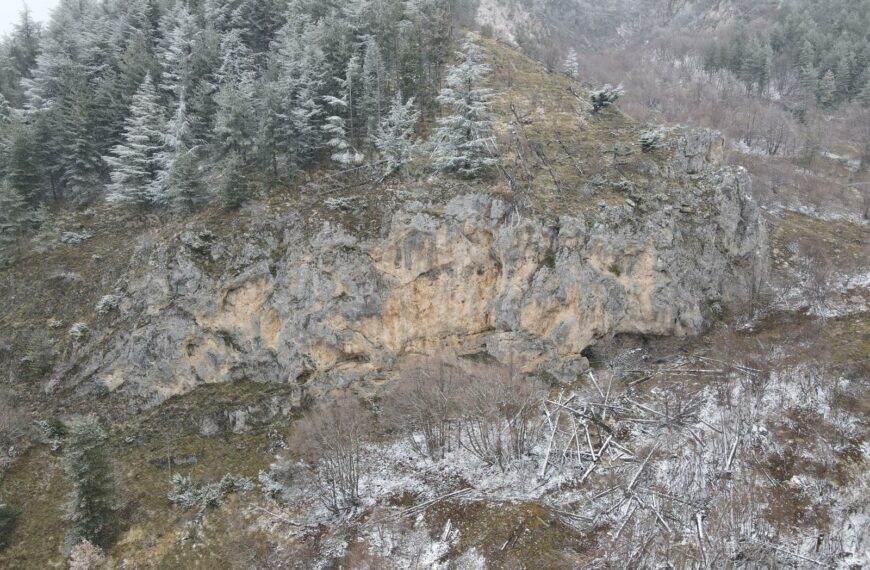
x=820 y=272
x=499 y=415
x=330 y=439
x=422 y=405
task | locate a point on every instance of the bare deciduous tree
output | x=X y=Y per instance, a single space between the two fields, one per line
x=499 y=414
x=422 y=406
x=330 y=439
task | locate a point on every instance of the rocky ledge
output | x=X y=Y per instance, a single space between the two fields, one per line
x=473 y=273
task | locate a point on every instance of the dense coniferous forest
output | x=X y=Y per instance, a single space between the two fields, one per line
x=148 y=102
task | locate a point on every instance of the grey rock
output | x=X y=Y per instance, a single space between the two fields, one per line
x=329 y=308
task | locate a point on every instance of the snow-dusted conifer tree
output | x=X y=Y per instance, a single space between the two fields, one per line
x=16 y=217
x=179 y=177
x=464 y=143
x=178 y=58
x=290 y=99
x=572 y=64
x=5 y=138
x=235 y=121
x=95 y=498
x=373 y=79
x=395 y=136
x=605 y=97
x=22 y=162
x=338 y=130
x=135 y=163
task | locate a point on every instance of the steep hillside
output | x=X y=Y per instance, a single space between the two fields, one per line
x=600 y=238
x=626 y=289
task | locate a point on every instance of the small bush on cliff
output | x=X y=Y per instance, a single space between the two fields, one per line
x=188 y=493
x=86 y=556
x=605 y=97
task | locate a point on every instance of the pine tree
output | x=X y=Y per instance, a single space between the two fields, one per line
x=259 y=20
x=81 y=159
x=806 y=57
x=844 y=75
x=304 y=83
x=289 y=99
x=5 y=135
x=135 y=164
x=394 y=138
x=864 y=95
x=136 y=62
x=339 y=131
x=572 y=64
x=182 y=38
x=22 y=170
x=235 y=119
x=373 y=85
x=94 y=501
x=237 y=60
x=21 y=50
x=25 y=43
x=179 y=179
x=463 y=140
x=234 y=187
x=235 y=126
x=335 y=130
x=17 y=218
x=827 y=88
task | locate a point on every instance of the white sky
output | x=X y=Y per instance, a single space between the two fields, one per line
x=10 y=9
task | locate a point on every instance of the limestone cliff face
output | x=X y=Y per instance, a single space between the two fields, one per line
x=472 y=273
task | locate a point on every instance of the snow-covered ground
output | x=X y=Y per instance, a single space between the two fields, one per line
x=703 y=447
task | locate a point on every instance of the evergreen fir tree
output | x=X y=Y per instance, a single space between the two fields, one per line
x=338 y=130
x=22 y=170
x=179 y=172
x=237 y=60
x=304 y=83
x=25 y=43
x=864 y=96
x=17 y=219
x=827 y=88
x=136 y=163
x=136 y=62
x=259 y=21
x=182 y=39
x=394 y=138
x=335 y=130
x=235 y=119
x=94 y=501
x=5 y=138
x=463 y=140
x=234 y=187
x=572 y=64
x=373 y=85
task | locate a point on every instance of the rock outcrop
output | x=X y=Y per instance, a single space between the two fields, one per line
x=474 y=273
